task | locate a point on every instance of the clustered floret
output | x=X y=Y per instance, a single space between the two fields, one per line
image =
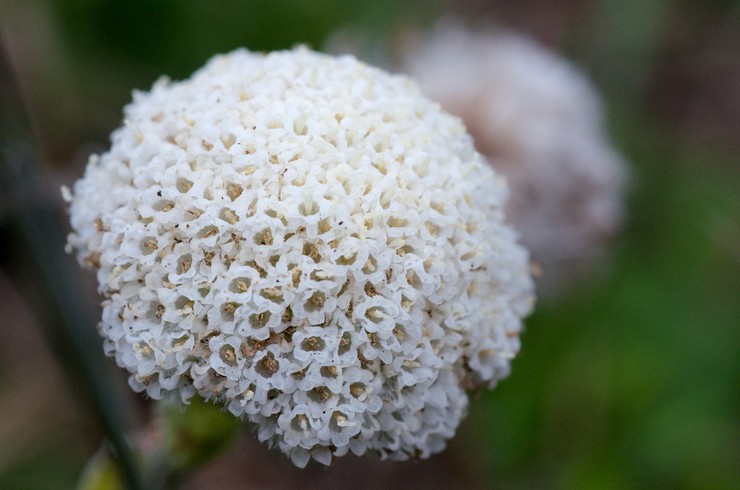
x=538 y=120
x=311 y=243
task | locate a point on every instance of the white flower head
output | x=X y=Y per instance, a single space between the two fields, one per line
x=310 y=242
x=538 y=120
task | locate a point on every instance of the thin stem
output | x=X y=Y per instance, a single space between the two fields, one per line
x=41 y=247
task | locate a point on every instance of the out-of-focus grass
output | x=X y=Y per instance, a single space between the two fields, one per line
x=635 y=379
x=175 y=37
x=49 y=470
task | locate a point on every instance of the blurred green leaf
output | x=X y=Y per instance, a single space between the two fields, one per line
x=197 y=432
x=101 y=473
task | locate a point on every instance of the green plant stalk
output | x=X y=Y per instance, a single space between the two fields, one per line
x=44 y=260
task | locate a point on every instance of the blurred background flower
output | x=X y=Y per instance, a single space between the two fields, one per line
x=538 y=121
x=629 y=380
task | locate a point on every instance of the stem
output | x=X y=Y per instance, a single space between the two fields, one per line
x=41 y=247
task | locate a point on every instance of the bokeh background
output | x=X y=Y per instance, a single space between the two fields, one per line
x=631 y=379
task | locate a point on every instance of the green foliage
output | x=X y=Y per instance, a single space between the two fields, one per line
x=196 y=433
x=635 y=380
x=177 y=36
x=101 y=473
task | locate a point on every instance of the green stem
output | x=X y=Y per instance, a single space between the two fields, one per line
x=41 y=246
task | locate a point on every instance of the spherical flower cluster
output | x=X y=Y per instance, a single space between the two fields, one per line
x=310 y=242
x=538 y=121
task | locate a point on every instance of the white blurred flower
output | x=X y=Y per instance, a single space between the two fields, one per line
x=538 y=120
x=310 y=242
